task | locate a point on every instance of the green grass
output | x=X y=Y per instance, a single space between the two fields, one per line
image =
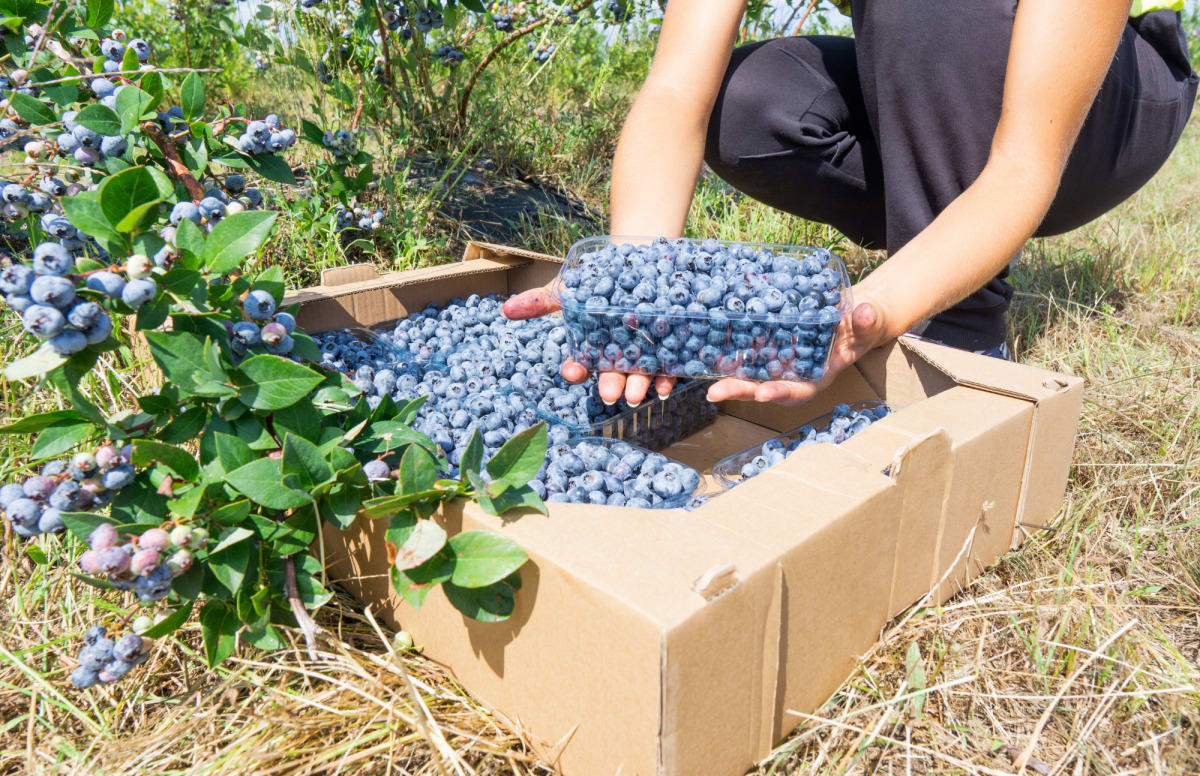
x=1086 y=641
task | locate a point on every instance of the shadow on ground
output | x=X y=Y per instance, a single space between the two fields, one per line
x=496 y=207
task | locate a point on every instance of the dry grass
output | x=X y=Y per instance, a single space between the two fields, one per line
x=1078 y=654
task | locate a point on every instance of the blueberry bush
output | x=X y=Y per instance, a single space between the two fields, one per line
x=205 y=496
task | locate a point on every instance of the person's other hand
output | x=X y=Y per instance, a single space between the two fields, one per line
x=537 y=302
x=859 y=332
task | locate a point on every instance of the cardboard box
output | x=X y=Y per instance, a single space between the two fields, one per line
x=672 y=642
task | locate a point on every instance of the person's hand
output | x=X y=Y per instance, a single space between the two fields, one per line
x=859 y=332
x=537 y=302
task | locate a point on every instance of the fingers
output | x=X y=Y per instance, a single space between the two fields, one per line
x=663 y=386
x=611 y=385
x=781 y=392
x=732 y=389
x=530 y=304
x=778 y=391
x=635 y=389
x=573 y=371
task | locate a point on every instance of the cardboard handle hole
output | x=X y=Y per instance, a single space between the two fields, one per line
x=1054 y=384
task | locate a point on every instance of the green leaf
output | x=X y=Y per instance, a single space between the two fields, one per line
x=191 y=96
x=272 y=167
x=262 y=482
x=123 y=193
x=136 y=218
x=34 y=423
x=148 y=452
x=387 y=435
x=518 y=460
x=522 y=496
x=230 y=537
x=915 y=669
x=186 y=505
x=85 y=214
x=171 y=622
x=235 y=237
x=219 y=625
x=139 y=502
x=426 y=539
x=132 y=105
x=472 y=458
x=266 y=639
x=493 y=603
x=231 y=564
x=195 y=155
x=341 y=505
x=151 y=316
x=274 y=383
x=301 y=419
x=416 y=584
x=189 y=241
x=60 y=437
x=99 y=119
x=483 y=558
x=99 y=12
x=417 y=472
x=180 y=355
x=185 y=426
x=301 y=457
x=293 y=535
x=31 y=109
x=232 y=452
x=38 y=363
x=231 y=514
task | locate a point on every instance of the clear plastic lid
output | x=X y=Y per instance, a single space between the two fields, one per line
x=702 y=308
x=733 y=470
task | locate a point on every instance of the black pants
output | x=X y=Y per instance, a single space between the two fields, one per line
x=876 y=134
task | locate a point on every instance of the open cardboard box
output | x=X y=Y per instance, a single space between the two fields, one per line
x=673 y=642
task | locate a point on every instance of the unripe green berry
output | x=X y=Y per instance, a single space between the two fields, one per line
x=141 y=624
x=180 y=535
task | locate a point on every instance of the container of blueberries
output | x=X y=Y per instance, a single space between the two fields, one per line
x=654 y=424
x=614 y=472
x=702 y=308
x=834 y=427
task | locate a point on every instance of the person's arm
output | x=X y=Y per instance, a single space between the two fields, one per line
x=658 y=157
x=1058 y=58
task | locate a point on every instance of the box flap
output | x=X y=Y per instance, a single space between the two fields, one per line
x=991 y=374
x=485 y=250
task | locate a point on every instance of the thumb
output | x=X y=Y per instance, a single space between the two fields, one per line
x=530 y=304
x=867 y=322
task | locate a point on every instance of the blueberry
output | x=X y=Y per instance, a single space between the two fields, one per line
x=118 y=477
x=259 y=305
x=138 y=292
x=185 y=210
x=52 y=290
x=108 y=283
x=68 y=342
x=112 y=49
x=15 y=279
x=99 y=330
x=377 y=470
x=43 y=321
x=113 y=145
x=141 y=48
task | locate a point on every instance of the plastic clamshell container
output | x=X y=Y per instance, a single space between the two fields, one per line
x=776 y=317
x=653 y=424
x=728 y=470
x=673 y=502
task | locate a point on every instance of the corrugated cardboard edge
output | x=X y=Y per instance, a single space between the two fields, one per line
x=1059 y=401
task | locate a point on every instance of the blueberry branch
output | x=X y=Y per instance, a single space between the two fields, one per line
x=178 y=169
x=504 y=43
x=308 y=627
x=90 y=75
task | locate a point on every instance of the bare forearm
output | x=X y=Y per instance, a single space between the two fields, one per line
x=656 y=167
x=965 y=247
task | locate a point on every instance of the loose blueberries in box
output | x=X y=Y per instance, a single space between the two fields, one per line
x=702 y=308
x=835 y=427
x=614 y=472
